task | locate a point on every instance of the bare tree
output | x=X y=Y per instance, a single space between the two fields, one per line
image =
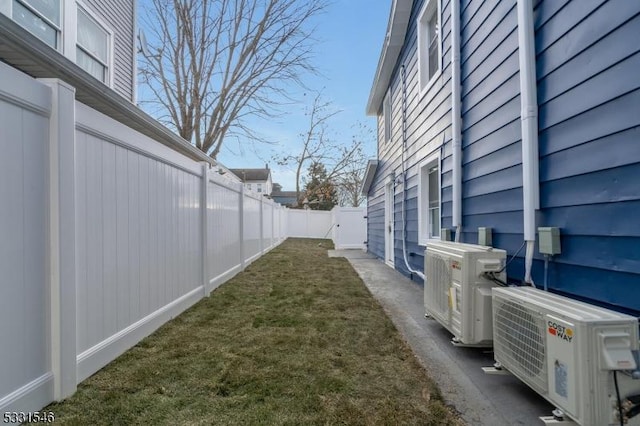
x=215 y=63
x=349 y=182
x=343 y=162
x=315 y=144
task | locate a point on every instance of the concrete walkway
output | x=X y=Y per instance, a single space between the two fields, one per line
x=480 y=398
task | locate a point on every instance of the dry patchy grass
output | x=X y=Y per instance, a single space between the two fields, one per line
x=295 y=339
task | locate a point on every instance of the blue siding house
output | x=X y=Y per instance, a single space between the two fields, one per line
x=512 y=115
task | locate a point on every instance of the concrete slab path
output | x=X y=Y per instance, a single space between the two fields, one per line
x=481 y=399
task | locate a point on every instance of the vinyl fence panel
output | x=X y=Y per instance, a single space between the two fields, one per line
x=106 y=235
x=135 y=201
x=25 y=370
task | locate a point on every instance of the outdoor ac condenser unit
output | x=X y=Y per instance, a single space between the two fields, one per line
x=567 y=351
x=457 y=292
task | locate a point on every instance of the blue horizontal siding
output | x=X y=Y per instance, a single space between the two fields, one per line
x=607 y=119
x=618 y=219
x=499 y=159
x=591 y=20
x=493 y=121
x=509 y=200
x=599 y=286
x=504 y=136
x=607 y=186
x=545 y=10
x=620 y=79
x=617 y=150
x=606 y=51
x=497 y=181
x=589 y=128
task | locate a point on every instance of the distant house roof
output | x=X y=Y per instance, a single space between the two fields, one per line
x=251 y=174
x=286 y=198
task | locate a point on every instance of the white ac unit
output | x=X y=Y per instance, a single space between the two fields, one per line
x=567 y=351
x=457 y=292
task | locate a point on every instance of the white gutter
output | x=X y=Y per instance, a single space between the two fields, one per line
x=456 y=113
x=529 y=122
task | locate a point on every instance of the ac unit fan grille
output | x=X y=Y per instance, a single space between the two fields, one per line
x=438 y=283
x=519 y=342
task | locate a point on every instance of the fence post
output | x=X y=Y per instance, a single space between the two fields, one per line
x=62 y=236
x=274 y=229
x=204 y=233
x=241 y=210
x=261 y=225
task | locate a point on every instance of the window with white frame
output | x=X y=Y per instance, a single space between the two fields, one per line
x=249 y=186
x=386 y=110
x=429 y=55
x=259 y=187
x=39 y=17
x=429 y=199
x=93 y=49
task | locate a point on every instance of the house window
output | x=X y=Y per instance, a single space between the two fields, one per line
x=259 y=187
x=39 y=17
x=249 y=186
x=386 y=106
x=429 y=56
x=429 y=199
x=93 y=46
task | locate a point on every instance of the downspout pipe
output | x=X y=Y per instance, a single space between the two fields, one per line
x=456 y=113
x=529 y=123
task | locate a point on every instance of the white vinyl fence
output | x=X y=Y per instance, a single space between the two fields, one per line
x=346 y=226
x=105 y=234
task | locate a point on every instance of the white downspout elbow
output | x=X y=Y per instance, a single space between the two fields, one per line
x=529 y=122
x=456 y=113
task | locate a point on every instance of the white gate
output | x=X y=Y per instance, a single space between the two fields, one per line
x=349 y=227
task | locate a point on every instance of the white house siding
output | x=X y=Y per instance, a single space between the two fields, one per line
x=119 y=15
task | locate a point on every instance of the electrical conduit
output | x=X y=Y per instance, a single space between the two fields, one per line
x=404 y=175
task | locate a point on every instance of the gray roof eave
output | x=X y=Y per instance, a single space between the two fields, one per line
x=393 y=42
x=369 y=174
x=29 y=54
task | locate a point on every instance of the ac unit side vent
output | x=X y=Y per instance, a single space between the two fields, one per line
x=519 y=339
x=439 y=277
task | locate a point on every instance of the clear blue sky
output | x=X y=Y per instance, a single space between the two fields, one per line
x=351 y=33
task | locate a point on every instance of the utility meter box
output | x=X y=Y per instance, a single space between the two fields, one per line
x=549 y=240
x=484 y=236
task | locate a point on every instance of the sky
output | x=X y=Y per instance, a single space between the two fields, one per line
x=350 y=35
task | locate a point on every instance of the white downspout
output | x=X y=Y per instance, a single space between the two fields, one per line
x=529 y=122
x=456 y=113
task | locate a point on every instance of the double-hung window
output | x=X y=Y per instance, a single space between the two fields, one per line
x=429 y=55
x=39 y=17
x=93 y=48
x=429 y=199
x=259 y=185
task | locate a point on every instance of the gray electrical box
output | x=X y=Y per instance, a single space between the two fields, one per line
x=445 y=234
x=484 y=236
x=549 y=240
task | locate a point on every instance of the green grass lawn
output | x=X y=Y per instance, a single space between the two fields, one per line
x=295 y=339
